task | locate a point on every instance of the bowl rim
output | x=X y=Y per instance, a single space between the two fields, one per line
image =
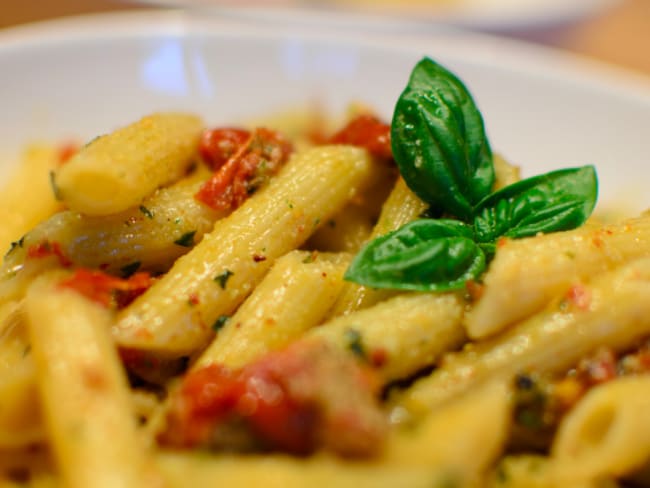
x=477 y=48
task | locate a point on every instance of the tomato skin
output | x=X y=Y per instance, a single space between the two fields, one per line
x=366 y=131
x=256 y=160
x=105 y=289
x=297 y=400
x=46 y=249
x=217 y=146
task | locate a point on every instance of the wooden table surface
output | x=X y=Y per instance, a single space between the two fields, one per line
x=619 y=36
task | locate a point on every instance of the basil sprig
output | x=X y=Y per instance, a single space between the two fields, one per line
x=440 y=146
x=439 y=141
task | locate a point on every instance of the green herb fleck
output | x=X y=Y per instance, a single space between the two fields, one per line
x=310 y=258
x=148 y=213
x=220 y=322
x=186 y=240
x=355 y=343
x=55 y=188
x=16 y=244
x=130 y=268
x=223 y=278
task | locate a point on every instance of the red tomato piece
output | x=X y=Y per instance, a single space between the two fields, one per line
x=366 y=131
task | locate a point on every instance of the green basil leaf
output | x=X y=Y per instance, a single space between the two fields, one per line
x=555 y=201
x=424 y=255
x=439 y=142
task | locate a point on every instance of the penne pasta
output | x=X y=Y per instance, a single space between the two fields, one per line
x=457 y=435
x=552 y=263
x=393 y=306
x=31 y=177
x=604 y=436
x=20 y=412
x=400 y=207
x=149 y=237
x=609 y=310
x=293 y=297
x=117 y=171
x=83 y=389
x=176 y=315
x=401 y=335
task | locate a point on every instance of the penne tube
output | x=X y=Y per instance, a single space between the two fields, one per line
x=117 y=171
x=293 y=297
x=401 y=335
x=20 y=413
x=610 y=311
x=527 y=273
x=606 y=434
x=148 y=237
x=401 y=207
x=457 y=434
x=176 y=315
x=18 y=211
x=84 y=390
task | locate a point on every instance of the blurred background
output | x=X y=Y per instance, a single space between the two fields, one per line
x=616 y=31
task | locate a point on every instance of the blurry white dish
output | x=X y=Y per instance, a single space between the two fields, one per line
x=492 y=15
x=82 y=77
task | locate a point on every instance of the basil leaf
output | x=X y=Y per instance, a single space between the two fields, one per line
x=555 y=201
x=439 y=142
x=424 y=255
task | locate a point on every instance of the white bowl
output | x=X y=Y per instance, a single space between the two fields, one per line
x=543 y=110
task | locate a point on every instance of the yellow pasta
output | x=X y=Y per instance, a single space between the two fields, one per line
x=117 y=171
x=614 y=314
x=149 y=340
x=20 y=413
x=148 y=237
x=400 y=335
x=83 y=390
x=552 y=263
x=293 y=297
x=607 y=434
x=18 y=212
x=220 y=272
x=400 y=207
x=457 y=435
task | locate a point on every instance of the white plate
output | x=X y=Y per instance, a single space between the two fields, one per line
x=492 y=15
x=543 y=110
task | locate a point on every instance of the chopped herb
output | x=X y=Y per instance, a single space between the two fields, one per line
x=178 y=220
x=16 y=244
x=223 y=278
x=54 y=186
x=316 y=221
x=289 y=204
x=148 y=213
x=354 y=343
x=130 y=268
x=186 y=240
x=27 y=350
x=91 y=141
x=310 y=258
x=220 y=322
